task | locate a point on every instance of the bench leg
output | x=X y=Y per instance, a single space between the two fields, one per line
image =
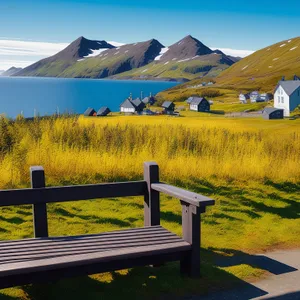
x=190 y=262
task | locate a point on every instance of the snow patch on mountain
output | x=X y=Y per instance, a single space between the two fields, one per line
x=95 y=52
x=161 y=53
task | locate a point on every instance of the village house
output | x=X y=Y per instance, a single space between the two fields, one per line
x=90 y=112
x=244 y=98
x=168 y=107
x=127 y=107
x=287 y=96
x=254 y=96
x=139 y=104
x=199 y=104
x=271 y=113
x=149 y=100
x=132 y=106
x=103 y=111
x=265 y=97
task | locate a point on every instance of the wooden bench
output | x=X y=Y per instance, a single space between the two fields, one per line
x=45 y=258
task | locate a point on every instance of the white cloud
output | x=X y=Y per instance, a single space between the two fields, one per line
x=16 y=47
x=24 y=53
x=235 y=52
x=5 y=65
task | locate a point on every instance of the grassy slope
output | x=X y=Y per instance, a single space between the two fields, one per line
x=176 y=70
x=91 y=67
x=259 y=71
x=263 y=69
x=256 y=185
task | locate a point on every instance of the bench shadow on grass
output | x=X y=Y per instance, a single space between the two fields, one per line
x=164 y=282
x=239 y=200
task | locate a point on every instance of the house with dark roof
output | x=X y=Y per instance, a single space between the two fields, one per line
x=271 y=113
x=103 y=111
x=139 y=105
x=287 y=96
x=132 y=106
x=168 y=107
x=90 y=112
x=199 y=104
x=127 y=106
x=149 y=100
x=244 y=98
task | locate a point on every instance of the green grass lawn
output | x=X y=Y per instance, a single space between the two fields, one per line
x=243 y=214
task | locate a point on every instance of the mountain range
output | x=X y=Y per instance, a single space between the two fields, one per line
x=185 y=60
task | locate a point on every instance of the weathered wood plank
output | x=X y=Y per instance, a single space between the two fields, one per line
x=72 y=193
x=77 y=251
x=93 y=258
x=184 y=195
x=116 y=233
x=40 y=221
x=81 y=244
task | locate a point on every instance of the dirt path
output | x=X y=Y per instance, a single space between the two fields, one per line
x=283 y=284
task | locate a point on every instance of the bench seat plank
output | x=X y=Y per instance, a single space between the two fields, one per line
x=124 y=248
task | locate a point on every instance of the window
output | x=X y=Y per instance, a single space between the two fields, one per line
x=282 y=99
x=278 y=99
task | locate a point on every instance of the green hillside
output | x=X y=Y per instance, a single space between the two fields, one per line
x=186 y=70
x=263 y=69
x=260 y=71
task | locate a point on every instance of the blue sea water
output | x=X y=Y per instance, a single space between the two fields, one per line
x=45 y=96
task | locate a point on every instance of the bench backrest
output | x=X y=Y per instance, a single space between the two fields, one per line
x=39 y=195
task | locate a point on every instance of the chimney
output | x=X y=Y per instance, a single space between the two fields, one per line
x=283 y=78
x=296 y=77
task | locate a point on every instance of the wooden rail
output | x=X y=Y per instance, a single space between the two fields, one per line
x=72 y=193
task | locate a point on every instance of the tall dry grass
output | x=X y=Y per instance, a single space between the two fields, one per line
x=73 y=151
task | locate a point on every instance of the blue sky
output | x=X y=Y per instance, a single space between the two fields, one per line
x=234 y=24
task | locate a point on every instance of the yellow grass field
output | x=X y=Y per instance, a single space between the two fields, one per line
x=250 y=166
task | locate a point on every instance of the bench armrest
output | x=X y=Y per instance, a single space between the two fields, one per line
x=184 y=195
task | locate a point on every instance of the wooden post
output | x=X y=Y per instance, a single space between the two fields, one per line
x=40 y=222
x=191 y=228
x=151 y=200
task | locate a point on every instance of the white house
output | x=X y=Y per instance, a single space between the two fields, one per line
x=244 y=98
x=287 y=96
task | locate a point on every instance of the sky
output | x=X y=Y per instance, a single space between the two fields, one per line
x=34 y=29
